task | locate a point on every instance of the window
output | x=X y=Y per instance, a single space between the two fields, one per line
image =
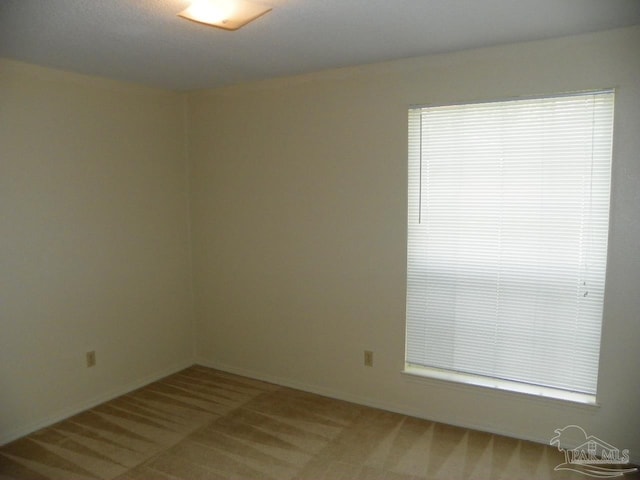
x=507 y=242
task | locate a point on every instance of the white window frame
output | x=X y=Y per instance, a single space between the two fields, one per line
x=416 y=206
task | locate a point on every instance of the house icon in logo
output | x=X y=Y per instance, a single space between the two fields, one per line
x=594 y=450
x=593 y=456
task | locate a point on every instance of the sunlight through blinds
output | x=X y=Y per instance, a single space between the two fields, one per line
x=507 y=238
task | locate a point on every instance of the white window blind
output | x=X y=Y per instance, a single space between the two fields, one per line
x=507 y=238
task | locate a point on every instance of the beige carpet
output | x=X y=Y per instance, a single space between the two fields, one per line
x=204 y=424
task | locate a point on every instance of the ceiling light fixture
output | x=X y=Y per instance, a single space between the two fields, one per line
x=226 y=14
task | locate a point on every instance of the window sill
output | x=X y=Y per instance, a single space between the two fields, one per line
x=498 y=384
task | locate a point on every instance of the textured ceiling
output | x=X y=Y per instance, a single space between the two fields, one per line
x=143 y=41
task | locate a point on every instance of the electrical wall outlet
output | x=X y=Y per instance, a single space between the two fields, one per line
x=368 y=358
x=91 y=358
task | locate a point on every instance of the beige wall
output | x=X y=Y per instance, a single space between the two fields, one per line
x=94 y=251
x=299 y=220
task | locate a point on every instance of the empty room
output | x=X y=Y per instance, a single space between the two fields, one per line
x=319 y=239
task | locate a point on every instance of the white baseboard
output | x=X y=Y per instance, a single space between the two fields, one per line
x=338 y=395
x=6 y=437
